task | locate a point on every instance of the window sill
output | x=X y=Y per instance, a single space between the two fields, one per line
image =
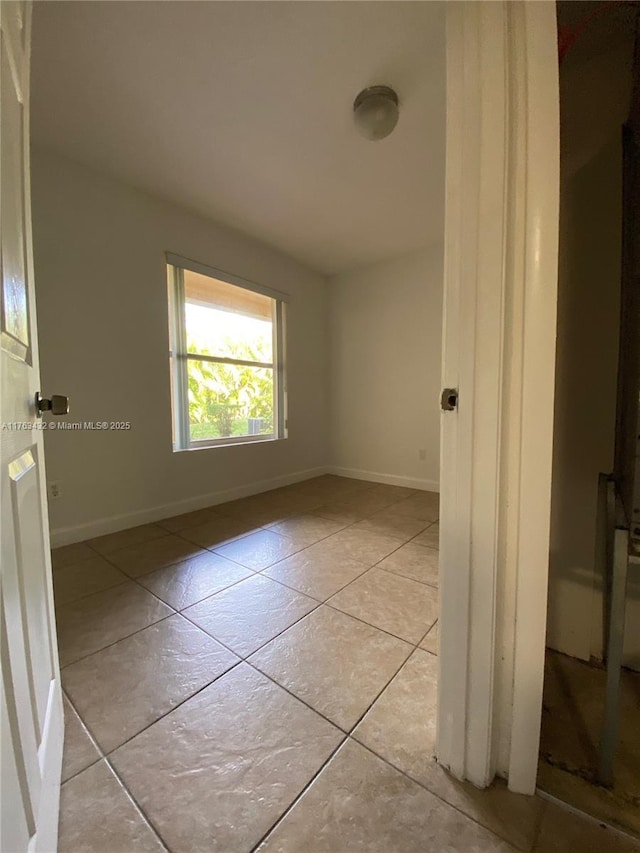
x=243 y=441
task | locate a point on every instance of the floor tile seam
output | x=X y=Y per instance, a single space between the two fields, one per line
x=295 y=696
x=355 y=521
x=230 y=541
x=205 y=597
x=87 y=731
x=242 y=580
x=200 y=628
x=379 y=693
x=286 y=586
x=396 y=549
x=109 y=752
x=105 y=757
x=92 y=763
x=323 y=600
x=371 y=625
x=214 y=550
x=348 y=736
x=316 y=541
x=240 y=660
x=74 y=563
x=137 y=581
x=165 y=532
x=88 y=542
x=428 y=522
x=275 y=681
x=298 y=797
x=428 y=652
x=285 y=536
x=266 y=642
x=311 y=512
x=138 y=806
x=398 y=535
x=406 y=577
x=179 y=534
x=181 y=612
x=94 y=592
x=119 y=640
x=428 y=631
x=421 y=545
x=425 y=787
x=155 y=569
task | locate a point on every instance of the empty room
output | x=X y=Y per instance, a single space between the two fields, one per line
x=280 y=283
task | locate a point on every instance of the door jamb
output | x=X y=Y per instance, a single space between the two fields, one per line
x=501 y=250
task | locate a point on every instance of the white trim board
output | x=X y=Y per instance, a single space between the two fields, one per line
x=385 y=479
x=114 y=523
x=501 y=253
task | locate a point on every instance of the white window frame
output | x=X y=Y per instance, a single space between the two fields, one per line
x=179 y=357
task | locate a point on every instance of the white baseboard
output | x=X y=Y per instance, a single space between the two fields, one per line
x=100 y=527
x=387 y=479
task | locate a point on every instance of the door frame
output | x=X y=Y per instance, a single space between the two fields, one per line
x=499 y=330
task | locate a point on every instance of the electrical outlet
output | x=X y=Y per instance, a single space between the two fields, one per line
x=55 y=491
x=422 y=455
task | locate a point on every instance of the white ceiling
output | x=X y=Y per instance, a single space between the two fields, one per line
x=242 y=112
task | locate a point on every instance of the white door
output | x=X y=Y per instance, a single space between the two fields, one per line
x=32 y=723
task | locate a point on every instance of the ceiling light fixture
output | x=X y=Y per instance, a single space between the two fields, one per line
x=375 y=112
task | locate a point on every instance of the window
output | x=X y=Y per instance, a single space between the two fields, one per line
x=227 y=358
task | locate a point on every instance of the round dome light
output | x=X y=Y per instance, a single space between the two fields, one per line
x=375 y=112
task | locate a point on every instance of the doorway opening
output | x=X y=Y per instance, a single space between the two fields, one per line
x=590 y=753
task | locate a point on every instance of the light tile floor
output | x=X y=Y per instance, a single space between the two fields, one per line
x=262 y=675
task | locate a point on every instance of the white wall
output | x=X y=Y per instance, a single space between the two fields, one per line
x=385 y=331
x=594 y=104
x=102 y=309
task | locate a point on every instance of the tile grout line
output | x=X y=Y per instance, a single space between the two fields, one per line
x=285 y=536
x=406 y=577
x=299 y=796
x=348 y=736
x=102 y=756
x=89 y=734
x=244 y=659
x=241 y=659
x=120 y=639
x=175 y=610
x=235 y=583
x=384 y=631
x=175 y=707
x=436 y=795
x=145 y=816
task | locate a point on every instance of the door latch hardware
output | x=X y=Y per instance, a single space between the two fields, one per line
x=449 y=399
x=57 y=405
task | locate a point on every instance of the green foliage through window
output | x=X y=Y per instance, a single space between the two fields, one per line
x=230 y=399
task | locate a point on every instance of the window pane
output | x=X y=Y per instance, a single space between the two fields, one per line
x=227 y=321
x=229 y=400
